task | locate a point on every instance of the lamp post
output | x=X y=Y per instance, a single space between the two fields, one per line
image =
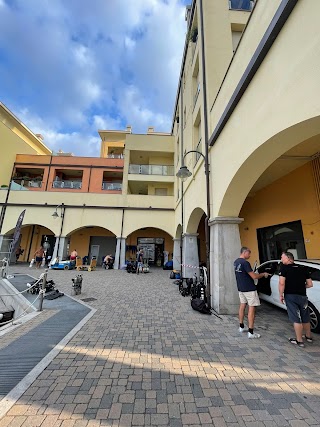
x=184 y=174
x=56 y=215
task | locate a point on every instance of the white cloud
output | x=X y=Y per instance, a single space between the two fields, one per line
x=78 y=66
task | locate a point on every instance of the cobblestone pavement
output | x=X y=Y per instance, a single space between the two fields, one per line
x=146 y=358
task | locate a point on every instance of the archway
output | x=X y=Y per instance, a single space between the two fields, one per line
x=90 y=241
x=156 y=243
x=31 y=237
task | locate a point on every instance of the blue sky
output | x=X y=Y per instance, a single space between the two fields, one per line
x=69 y=68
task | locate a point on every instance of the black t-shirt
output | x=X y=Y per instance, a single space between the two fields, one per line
x=245 y=282
x=296 y=276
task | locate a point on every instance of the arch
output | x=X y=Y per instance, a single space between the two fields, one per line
x=194 y=220
x=89 y=227
x=259 y=160
x=31 y=237
x=24 y=226
x=178 y=231
x=136 y=220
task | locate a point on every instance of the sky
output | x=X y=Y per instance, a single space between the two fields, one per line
x=71 y=67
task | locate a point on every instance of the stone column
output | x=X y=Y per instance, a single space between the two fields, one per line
x=62 y=248
x=122 y=251
x=1 y=240
x=190 y=255
x=117 y=254
x=55 y=249
x=224 y=249
x=176 y=254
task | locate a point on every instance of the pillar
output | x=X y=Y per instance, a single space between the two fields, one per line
x=1 y=240
x=62 y=248
x=55 y=249
x=117 y=254
x=224 y=249
x=122 y=251
x=190 y=255
x=176 y=254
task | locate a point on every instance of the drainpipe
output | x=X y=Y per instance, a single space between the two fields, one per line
x=206 y=143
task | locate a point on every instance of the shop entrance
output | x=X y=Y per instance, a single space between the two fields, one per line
x=274 y=240
x=153 y=249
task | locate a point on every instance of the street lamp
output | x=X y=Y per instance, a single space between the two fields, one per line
x=55 y=213
x=184 y=174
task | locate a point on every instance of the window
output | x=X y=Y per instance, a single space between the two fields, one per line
x=241 y=4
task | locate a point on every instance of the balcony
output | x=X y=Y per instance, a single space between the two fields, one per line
x=25 y=184
x=115 y=186
x=245 y=5
x=76 y=185
x=163 y=170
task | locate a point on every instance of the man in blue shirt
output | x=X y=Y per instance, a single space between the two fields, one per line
x=248 y=294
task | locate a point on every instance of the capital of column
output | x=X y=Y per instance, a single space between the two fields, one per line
x=225 y=220
x=190 y=234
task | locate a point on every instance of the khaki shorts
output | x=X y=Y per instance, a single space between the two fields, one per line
x=251 y=298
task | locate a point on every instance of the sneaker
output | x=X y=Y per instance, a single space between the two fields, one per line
x=295 y=342
x=254 y=335
x=241 y=330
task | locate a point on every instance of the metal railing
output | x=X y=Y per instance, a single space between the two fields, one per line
x=241 y=4
x=112 y=186
x=164 y=170
x=115 y=156
x=67 y=184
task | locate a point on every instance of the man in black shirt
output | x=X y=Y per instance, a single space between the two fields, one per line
x=247 y=290
x=293 y=281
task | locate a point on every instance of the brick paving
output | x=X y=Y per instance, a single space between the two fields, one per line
x=147 y=359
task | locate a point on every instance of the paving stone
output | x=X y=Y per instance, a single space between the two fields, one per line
x=135 y=366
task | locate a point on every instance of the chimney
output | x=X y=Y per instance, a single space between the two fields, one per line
x=39 y=136
x=129 y=129
x=150 y=130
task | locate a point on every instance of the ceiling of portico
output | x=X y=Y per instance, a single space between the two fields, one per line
x=288 y=162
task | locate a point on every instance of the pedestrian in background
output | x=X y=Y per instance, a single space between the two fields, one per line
x=38 y=255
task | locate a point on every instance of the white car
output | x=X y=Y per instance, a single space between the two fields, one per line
x=269 y=288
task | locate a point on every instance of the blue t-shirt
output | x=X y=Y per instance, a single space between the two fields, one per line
x=245 y=283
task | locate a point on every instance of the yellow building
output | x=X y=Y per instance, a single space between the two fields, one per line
x=246 y=125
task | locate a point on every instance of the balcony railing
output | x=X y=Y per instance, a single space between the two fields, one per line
x=117 y=186
x=28 y=182
x=115 y=156
x=76 y=185
x=151 y=170
x=241 y=4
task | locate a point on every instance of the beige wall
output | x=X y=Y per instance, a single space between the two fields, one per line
x=273 y=115
x=15 y=138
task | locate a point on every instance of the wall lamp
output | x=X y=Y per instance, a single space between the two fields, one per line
x=55 y=213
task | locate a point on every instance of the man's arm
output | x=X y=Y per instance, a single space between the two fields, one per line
x=309 y=283
x=282 y=285
x=258 y=275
